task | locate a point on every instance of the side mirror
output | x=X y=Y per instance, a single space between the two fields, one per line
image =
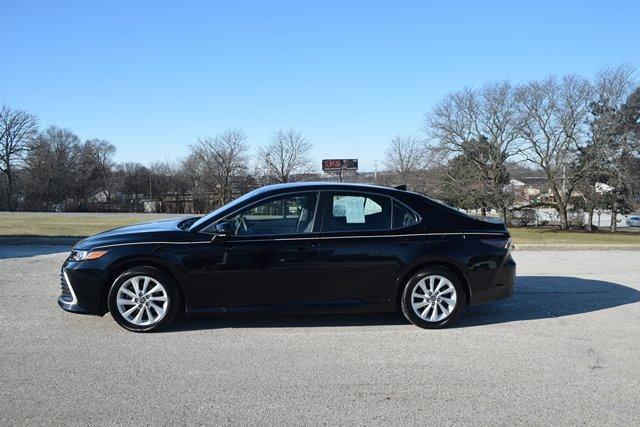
x=219 y=239
x=222 y=230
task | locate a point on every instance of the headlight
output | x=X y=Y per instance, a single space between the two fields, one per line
x=77 y=255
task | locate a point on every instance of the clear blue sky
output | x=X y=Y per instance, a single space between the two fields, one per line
x=153 y=76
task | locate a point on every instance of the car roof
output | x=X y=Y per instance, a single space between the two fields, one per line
x=325 y=186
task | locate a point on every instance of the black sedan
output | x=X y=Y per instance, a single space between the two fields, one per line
x=295 y=248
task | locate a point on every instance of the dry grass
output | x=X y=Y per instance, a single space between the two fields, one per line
x=554 y=236
x=67 y=224
x=86 y=224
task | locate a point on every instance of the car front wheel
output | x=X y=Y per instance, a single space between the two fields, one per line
x=433 y=298
x=143 y=299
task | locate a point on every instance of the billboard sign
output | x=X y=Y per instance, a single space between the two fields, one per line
x=339 y=165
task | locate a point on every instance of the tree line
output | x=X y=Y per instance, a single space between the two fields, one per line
x=53 y=169
x=571 y=131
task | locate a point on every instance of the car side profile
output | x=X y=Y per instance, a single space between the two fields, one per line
x=295 y=248
x=633 y=221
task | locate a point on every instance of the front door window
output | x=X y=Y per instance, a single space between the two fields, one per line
x=292 y=214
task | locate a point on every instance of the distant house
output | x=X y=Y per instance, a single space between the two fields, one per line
x=101 y=196
x=514 y=186
x=149 y=206
x=602 y=188
x=106 y=201
x=524 y=192
x=531 y=192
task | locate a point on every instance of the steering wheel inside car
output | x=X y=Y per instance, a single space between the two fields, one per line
x=242 y=227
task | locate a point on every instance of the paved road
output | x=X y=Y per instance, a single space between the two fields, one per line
x=564 y=349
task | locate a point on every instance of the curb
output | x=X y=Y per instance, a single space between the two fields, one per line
x=39 y=241
x=575 y=247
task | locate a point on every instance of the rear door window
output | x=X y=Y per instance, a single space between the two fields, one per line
x=357 y=212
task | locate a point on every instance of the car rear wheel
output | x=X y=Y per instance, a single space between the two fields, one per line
x=433 y=298
x=143 y=299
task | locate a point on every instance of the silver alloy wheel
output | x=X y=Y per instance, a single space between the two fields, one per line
x=434 y=298
x=142 y=301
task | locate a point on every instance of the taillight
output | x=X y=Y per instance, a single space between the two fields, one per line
x=499 y=242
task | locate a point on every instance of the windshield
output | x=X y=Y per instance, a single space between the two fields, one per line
x=231 y=204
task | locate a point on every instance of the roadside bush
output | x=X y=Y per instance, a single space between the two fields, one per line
x=577 y=220
x=522 y=218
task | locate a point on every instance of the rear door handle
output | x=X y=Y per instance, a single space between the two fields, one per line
x=307 y=244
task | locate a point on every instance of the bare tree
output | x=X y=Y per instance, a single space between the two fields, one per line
x=286 y=155
x=102 y=155
x=17 y=128
x=87 y=177
x=406 y=159
x=170 y=185
x=136 y=180
x=160 y=187
x=553 y=126
x=51 y=165
x=220 y=161
x=482 y=126
x=610 y=138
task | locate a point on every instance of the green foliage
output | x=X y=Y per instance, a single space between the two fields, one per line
x=465 y=185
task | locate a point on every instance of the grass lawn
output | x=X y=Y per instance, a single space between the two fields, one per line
x=554 y=236
x=68 y=224
x=86 y=224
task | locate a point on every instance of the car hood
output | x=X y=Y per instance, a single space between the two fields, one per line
x=157 y=231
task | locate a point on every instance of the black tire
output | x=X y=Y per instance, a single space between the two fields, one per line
x=173 y=298
x=406 y=302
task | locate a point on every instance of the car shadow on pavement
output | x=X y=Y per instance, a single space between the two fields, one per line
x=285 y=321
x=542 y=297
x=536 y=297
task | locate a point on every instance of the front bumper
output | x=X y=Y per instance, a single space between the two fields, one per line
x=82 y=290
x=68 y=300
x=74 y=308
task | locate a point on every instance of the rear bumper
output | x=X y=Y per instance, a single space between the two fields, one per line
x=502 y=285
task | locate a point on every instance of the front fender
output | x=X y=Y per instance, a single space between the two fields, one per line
x=169 y=260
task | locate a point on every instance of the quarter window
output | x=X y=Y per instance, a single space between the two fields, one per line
x=358 y=213
x=402 y=216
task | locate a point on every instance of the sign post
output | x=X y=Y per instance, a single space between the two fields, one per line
x=339 y=166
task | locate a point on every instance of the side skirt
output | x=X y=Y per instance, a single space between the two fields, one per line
x=336 y=307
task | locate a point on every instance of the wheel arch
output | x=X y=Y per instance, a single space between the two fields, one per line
x=450 y=265
x=122 y=265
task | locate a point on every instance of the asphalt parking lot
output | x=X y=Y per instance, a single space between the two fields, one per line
x=564 y=349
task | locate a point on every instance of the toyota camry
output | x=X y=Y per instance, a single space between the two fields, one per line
x=295 y=248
